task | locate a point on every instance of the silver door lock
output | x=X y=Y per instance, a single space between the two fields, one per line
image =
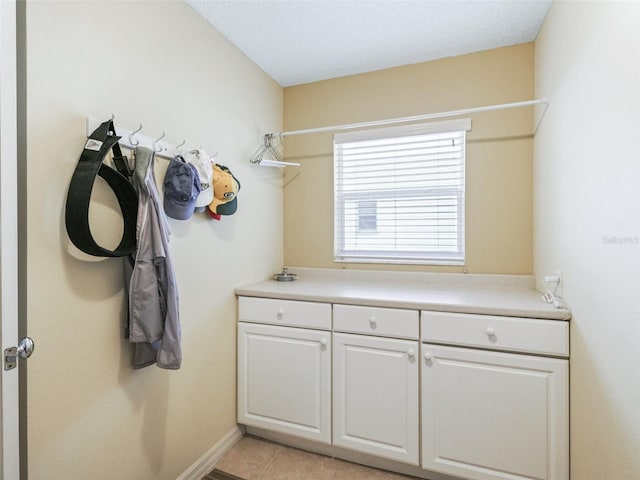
x=23 y=350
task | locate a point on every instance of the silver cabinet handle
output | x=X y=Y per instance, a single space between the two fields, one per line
x=411 y=354
x=373 y=323
x=427 y=356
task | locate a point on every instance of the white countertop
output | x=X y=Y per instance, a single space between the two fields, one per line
x=506 y=295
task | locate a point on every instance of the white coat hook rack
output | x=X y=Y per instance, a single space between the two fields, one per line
x=132 y=138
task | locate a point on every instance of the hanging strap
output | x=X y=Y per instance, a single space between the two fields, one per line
x=89 y=166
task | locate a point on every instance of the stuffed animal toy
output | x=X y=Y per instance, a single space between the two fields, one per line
x=225 y=190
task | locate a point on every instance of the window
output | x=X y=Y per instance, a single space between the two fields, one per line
x=399 y=194
x=367 y=216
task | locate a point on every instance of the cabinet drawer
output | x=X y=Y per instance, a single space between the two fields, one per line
x=285 y=312
x=387 y=322
x=546 y=337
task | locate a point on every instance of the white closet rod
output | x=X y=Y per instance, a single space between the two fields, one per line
x=428 y=116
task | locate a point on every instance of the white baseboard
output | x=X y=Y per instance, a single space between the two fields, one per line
x=206 y=462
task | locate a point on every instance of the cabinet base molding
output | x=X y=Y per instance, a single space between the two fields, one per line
x=345 y=454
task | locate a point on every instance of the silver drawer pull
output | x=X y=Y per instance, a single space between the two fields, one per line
x=427 y=356
x=373 y=323
x=411 y=354
x=280 y=312
x=323 y=343
x=491 y=332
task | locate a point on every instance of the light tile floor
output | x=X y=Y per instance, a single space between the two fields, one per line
x=256 y=459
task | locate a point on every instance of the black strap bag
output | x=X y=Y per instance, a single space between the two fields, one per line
x=89 y=166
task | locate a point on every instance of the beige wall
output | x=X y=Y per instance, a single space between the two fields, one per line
x=90 y=416
x=587 y=220
x=499 y=152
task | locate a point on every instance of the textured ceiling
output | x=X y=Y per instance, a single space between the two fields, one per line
x=301 y=41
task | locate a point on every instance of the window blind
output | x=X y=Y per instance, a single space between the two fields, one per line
x=399 y=194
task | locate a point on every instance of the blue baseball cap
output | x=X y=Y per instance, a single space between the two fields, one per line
x=181 y=189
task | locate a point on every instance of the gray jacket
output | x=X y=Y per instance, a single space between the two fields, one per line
x=153 y=321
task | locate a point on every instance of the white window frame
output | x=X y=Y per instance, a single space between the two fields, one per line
x=342 y=255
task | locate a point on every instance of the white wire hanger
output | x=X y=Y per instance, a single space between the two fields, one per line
x=268 y=156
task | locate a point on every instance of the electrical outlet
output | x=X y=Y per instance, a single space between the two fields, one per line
x=559 y=286
x=554 y=283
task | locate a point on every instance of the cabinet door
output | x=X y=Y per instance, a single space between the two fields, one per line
x=284 y=380
x=489 y=415
x=375 y=407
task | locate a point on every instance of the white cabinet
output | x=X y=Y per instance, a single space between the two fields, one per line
x=477 y=397
x=375 y=406
x=490 y=415
x=284 y=374
x=375 y=381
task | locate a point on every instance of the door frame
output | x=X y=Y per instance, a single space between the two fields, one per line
x=9 y=384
